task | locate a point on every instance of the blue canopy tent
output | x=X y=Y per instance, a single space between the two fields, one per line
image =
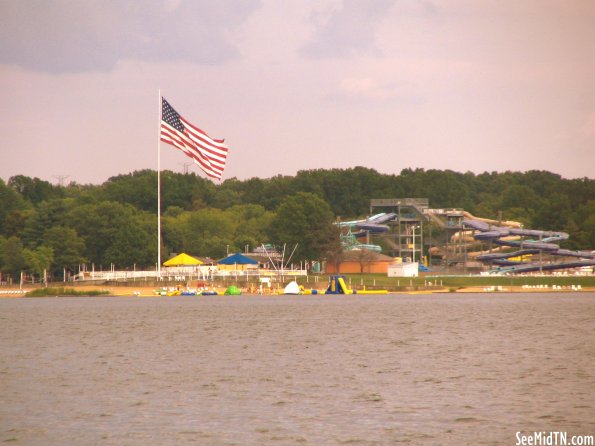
x=238 y=260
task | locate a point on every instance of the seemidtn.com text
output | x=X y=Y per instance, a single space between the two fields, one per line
x=553 y=438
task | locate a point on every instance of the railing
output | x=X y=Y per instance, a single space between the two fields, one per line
x=421 y=202
x=184 y=274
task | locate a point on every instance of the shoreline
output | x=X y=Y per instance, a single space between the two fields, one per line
x=132 y=291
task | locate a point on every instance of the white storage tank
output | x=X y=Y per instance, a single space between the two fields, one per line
x=405 y=269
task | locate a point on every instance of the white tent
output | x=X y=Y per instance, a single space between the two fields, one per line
x=292 y=288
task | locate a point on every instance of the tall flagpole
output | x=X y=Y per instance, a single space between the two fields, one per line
x=159 y=190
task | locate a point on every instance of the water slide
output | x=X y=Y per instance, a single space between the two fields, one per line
x=463 y=239
x=374 y=224
x=343 y=286
x=506 y=223
x=537 y=243
x=337 y=285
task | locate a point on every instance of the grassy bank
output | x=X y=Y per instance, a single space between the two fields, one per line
x=61 y=291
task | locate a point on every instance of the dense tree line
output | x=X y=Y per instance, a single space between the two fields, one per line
x=43 y=226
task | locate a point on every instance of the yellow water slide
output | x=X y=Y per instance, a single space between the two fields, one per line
x=344 y=287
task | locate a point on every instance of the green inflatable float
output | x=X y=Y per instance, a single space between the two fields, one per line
x=233 y=291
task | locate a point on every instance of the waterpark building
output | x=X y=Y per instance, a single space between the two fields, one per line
x=360 y=261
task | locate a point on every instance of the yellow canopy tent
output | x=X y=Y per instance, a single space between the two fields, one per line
x=182 y=260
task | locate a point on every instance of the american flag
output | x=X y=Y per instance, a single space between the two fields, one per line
x=210 y=154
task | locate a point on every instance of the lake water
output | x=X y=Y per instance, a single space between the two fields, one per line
x=296 y=370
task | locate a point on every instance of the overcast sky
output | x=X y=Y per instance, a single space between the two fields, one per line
x=465 y=85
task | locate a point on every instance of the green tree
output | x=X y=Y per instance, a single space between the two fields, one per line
x=12 y=207
x=67 y=246
x=305 y=220
x=581 y=227
x=39 y=259
x=131 y=246
x=522 y=215
x=553 y=213
x=47 y=214
x=138 y=189
x=14 y=222
x=251 y=225
x=208 y=232
x=589 y=234
x=35 y=190
x=267 y=192
x=105 y=227
x=211 y=231
x=11 y=256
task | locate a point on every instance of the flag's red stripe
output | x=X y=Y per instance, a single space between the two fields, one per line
x=180 y=141
x=215 y=142
x=189 y=140
x=204 y=166
x=183 y=140
x=213 y=161
x=206 y=142
x=195 y=155
x=216 y=157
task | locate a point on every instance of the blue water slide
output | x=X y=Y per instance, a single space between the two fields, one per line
x=529 y=267
x=506 y=255
x=382 y=218
x=372 y=227
x=541 y=241
x=535 y=244
x=375 y=223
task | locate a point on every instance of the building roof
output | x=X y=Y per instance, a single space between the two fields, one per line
x=364 y=255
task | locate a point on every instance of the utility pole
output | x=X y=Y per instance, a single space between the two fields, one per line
x=185 y=165
x=61 y=179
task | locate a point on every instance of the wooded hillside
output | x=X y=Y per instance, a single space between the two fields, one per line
x=48 y=226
